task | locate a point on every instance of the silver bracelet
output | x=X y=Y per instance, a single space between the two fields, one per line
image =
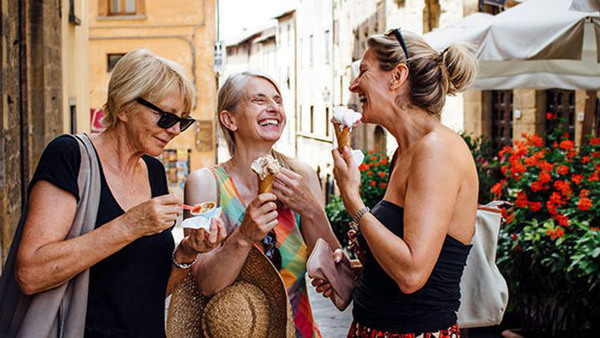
x=182 y=265
x=359 y=215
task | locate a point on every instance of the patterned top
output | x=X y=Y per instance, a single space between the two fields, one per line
x=294 y=251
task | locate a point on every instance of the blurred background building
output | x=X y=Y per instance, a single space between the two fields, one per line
x=183 y=31
x=44 y=85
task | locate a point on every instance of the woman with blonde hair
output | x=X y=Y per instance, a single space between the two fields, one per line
x=417 y=238
x=119 y=271
x=251 y=118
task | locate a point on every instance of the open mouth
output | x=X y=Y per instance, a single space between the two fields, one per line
x=362 y=98
x=269 y=122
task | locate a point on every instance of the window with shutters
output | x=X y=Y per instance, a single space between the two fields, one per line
x=502 y=118
x=561 y=104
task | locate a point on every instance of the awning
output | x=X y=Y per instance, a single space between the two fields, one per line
x=538 y=44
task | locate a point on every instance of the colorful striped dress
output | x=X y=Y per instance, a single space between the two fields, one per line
x=294 y=251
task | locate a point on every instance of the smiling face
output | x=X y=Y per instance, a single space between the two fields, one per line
x=259 y=115
x=143 y=130
x=373 y=87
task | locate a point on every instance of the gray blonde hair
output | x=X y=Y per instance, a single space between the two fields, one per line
x=432 y=75
x=228 y=98
x=142 y=74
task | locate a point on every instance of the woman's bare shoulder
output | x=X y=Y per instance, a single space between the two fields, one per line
x=200 y=186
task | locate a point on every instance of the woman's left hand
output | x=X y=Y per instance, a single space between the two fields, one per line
x=200 y=241
x=347 y=175
x=293 y=190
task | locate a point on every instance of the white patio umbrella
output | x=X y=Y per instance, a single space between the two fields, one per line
x=538 y=44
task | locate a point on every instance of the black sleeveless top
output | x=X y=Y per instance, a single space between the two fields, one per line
x=380 y=304
x=126 y=296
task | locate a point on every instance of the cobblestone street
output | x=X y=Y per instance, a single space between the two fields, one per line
x=332 y=322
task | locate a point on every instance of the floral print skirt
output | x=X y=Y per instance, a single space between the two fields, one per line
x=360 y=331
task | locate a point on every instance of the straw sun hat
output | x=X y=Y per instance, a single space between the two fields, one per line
x=256 y=305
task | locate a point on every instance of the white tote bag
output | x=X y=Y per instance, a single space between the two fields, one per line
x=484 y=292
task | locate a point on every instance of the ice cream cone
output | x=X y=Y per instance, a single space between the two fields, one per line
x=342 y=133
x=266 y=184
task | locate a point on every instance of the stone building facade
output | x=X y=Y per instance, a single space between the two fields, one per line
x=35 y=85
x=183 y=31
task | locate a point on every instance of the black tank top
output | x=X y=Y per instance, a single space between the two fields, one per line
x=380 y=304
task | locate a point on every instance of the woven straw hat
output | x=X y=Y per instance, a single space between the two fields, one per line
x=256 y=305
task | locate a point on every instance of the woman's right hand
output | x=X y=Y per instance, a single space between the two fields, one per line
x=260 y=218
x=322 y=285
x=354 y=246
x=153 y=216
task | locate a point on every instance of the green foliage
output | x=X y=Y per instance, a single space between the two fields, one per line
x=549 y=247
x=374 y=177
x=488 y=170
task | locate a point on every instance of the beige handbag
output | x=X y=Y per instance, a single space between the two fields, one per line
x=58 y=312
x=484 y=292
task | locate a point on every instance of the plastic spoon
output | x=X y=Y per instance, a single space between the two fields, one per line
x=193 y=209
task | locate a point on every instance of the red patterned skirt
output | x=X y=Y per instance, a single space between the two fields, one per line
x=359 y=331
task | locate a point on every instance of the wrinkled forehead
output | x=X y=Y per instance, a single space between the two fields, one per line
x=258 y=86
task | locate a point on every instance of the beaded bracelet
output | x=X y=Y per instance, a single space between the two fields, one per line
x=182 y=265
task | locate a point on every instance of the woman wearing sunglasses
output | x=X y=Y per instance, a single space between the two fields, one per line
x=416 y=240
x=131 y=256
x=251 y=119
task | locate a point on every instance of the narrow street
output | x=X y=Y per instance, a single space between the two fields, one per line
x=332 y=322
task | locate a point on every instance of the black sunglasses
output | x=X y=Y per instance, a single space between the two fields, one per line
x=167 y=120
x=271 y=250
x=398 y=35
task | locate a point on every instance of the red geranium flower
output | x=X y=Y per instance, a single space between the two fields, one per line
x=562 y=169
x=544 y=165
x=497 y=188
x=584 y=204
x=537 y=186
x=567 y=144
x=562 y=220
x=535 y=206
x=544 y=177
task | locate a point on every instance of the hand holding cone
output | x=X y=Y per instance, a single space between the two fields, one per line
x=343 y=120
x=266 y=168
x=342 y=134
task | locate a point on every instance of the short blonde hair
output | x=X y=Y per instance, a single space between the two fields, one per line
x=140 y=73
x=432 y=75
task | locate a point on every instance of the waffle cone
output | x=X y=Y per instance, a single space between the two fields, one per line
x=266 y=184
x=342 y=134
